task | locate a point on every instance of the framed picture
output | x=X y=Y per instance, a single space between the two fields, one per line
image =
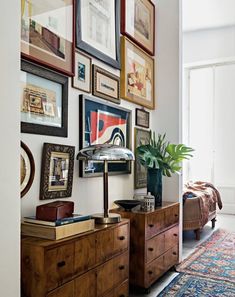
x=138 y=23
x=27 y=169
x=56 y=171
x=44 y=101
x=141 y=137
x=137 y=75
x=82 y=78
x=98 y=29
x=141 y=118
x=103 y=122
x=105 y=84
x=47 y=33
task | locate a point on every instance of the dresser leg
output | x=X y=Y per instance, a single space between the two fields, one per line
x=213 y=223
x=147 y=291
x=197 y=234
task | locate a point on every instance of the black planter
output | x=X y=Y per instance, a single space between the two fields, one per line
x=154 y=184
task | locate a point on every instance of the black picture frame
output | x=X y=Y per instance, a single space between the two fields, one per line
x=52 y=187
x=54 y=77
x=82 y=45
x=88 y=109
x=27 y=169
x=142 y=118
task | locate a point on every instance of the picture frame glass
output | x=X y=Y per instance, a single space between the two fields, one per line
x=47 y=33
x=98 y=25
x=104 y=123
x=139 y=22
x=41 y=100
x=142 y=137
x=142 y=118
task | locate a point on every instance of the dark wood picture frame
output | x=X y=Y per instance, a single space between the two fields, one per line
x=82 y=45
x=140 y=174
x=95 y=72
x=31 y=168
x=36 y=55
x=52 y=187
x=86 y=105
x=76 y=76
x=142 y=118
x=124 y=31
x=50 y=75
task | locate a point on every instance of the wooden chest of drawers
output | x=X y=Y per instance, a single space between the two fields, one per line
x=92 y=264
x=154 y=242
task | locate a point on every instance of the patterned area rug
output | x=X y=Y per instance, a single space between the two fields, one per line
x=195 y=286
x=214 y=258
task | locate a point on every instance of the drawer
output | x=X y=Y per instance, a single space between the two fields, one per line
x=171 y=237
x=59 y=265
x=155 y=223
x=153 y=271
x=84 y=256
x=172 y=215
x=104 y=245
x=120 y=268
x=155 y=247
x=121 y=239
x=105 y=275
x=85 y=285
x=66 y=290
x=122 y=290
x=171 y=257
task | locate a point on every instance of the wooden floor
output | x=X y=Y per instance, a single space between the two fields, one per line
x=189 y=244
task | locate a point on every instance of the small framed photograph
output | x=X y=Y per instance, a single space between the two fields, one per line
x=27 y=169
x=103 y=122
x=105 y=84
x=44 y=101
x=141 y=118
x=137 y=75
x=98 y=29
x=142 y=137
x=138 y=23
x=47 y=33
x=82 y=78
x=56 y=171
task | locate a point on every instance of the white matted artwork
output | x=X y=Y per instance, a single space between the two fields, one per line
x=82 y=78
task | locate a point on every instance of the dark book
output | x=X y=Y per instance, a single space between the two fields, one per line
x=75 y=218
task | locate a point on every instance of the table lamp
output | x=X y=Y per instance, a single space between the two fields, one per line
x=106 y=153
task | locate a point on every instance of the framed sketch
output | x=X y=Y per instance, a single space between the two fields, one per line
x=27 y=169
x=141 y=118
x=137 y=75
x=105 y=84
x=98 y=29
x=56 y=171
x=141 y=137
x=47 y=33
x=44 y=101
x=82 y=77
x=138 y=23
x=103 y=122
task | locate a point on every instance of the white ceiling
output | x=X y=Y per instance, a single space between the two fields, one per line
x=207 y=14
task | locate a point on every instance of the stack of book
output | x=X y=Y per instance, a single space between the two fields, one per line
x=57 y=229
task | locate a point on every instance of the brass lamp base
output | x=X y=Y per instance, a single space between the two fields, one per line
x=111 y=219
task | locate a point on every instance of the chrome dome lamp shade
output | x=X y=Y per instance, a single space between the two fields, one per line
x=106 y=153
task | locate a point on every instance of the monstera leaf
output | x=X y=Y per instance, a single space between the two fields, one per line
x=160 y=154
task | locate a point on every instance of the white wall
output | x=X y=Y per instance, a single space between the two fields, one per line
x=9 y=149
x=211 y=44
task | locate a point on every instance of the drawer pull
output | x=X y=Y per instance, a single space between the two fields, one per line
x=174 y=253
x=175 y=234
x=150 y=249
x=122 y=237
x=121 y=267
x=176 y=215
x=61 y=264
x=150 y=272
x=151 y=225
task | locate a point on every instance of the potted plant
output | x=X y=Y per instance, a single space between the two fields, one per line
x=161 y=158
